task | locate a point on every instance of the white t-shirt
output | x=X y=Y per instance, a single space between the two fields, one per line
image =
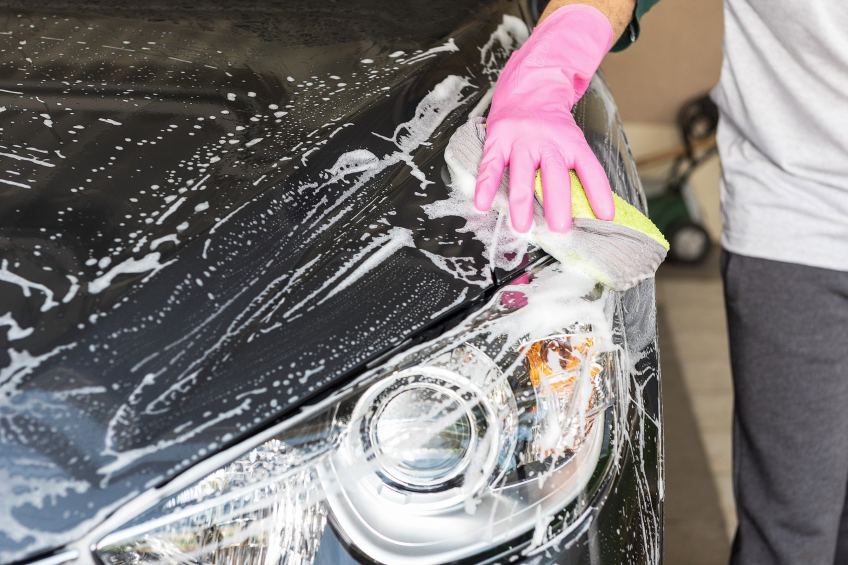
x=783 y=133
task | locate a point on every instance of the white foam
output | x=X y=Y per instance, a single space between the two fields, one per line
x=510 y=34
x=27 y=286
x=376 y=252
x=449 y=46
x=129 y=266
x=15 y=331
x=29 y=159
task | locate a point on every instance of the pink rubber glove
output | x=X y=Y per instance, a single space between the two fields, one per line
x=530 y=125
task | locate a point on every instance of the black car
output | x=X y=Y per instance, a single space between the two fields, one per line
x=246 y=317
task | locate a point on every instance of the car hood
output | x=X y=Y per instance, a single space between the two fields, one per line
x=212 y=217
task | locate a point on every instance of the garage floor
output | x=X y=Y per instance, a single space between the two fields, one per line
x=698 y=403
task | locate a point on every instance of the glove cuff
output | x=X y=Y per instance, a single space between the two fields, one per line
x=562 y=55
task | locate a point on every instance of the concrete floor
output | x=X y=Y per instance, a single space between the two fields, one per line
x=698 y=400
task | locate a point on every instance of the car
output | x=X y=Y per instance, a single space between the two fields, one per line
x=247 y=317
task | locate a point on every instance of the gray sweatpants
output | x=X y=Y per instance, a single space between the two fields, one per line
x=788 y=331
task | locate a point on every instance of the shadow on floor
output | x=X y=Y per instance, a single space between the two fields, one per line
x=695 y=532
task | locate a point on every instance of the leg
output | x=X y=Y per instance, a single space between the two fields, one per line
x=788 y=331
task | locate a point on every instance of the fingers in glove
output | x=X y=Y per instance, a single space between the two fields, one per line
x=488 y=177
x=596 y=184
x=556 y=191
x=522 y=173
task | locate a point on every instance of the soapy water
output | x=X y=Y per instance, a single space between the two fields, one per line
x=359 y=166
x=554 y=299
x=270 y=301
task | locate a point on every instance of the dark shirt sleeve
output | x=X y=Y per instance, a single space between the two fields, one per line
x=631 y=32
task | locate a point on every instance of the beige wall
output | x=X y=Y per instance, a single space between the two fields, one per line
x=677 y=56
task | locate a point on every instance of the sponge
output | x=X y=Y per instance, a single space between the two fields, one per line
x=626 y=214
x=618 y=254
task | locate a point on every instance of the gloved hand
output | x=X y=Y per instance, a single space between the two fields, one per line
x=530 y=125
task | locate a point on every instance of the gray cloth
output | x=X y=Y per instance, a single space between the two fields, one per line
x=615 y=255
x=783 y=133
x=788 y=331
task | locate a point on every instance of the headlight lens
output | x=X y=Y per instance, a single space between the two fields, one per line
x=450 y=449
x=411 y=412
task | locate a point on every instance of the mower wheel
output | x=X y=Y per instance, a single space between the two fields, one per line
x=690 y=243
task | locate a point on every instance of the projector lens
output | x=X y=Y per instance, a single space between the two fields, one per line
x=423 y=435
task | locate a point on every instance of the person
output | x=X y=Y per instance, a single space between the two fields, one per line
x=783 y=142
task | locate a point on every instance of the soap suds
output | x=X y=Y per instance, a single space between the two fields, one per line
x=149 y=262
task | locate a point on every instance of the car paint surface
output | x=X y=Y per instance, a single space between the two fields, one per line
x=211 y=216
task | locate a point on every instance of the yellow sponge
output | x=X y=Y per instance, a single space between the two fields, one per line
x=625 y=214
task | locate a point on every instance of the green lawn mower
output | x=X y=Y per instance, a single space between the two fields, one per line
x=671 y=205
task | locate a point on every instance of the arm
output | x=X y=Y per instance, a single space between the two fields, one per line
x=530 y=126
x=618 y=12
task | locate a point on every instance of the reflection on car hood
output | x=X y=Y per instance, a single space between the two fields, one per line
x=209 y=218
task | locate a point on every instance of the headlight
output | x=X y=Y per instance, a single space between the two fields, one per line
x=481 y=436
